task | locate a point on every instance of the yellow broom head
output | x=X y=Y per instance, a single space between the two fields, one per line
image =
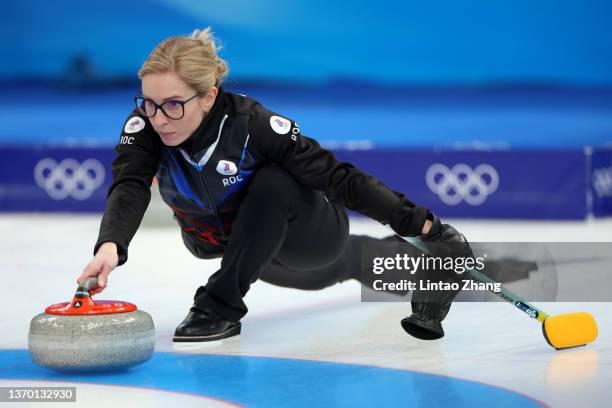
x=570 y=330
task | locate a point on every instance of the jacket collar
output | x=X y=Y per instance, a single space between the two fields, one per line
x=208 y=130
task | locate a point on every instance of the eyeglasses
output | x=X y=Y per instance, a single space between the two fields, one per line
x=173 y=109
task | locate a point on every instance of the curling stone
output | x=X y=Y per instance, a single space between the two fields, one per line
x=88 y=335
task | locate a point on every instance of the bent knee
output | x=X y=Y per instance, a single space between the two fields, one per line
x=273 y=180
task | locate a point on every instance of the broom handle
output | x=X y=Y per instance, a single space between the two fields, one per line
x=511 y=297
x=503 y=293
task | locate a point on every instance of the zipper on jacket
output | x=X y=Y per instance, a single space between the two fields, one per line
x=200 y=168
x=211 y=199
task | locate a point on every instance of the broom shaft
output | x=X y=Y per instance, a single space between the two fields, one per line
x=511 y=297
x=503 y=293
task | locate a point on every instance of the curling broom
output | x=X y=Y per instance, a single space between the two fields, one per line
x=562 y=331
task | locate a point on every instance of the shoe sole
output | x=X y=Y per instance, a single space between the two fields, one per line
x=231 y=331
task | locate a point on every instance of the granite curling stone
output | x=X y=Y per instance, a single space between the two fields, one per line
x=87 y=335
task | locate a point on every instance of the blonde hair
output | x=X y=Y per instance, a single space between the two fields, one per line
x=194 y=59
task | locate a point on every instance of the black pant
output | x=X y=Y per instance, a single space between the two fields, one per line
x=288 y=235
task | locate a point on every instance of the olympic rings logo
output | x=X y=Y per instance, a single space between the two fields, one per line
x=602 y=182
x=461 y=183
x=69 y=178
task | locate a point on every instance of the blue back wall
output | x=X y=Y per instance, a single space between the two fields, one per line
x=474 y=41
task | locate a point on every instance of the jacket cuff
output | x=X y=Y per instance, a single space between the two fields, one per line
x=121 y=250
x=407 y=219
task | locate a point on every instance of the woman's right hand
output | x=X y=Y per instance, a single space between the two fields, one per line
x=105 y=260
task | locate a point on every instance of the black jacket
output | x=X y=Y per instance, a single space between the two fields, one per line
x=203 y=180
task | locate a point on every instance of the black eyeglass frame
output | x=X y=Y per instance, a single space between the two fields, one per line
x=161 y=106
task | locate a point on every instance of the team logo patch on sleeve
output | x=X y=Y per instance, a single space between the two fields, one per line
x=280 y=125
x=133 y=125
x=227 y=168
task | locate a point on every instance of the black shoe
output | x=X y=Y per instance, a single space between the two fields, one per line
x=421 y=328
x=200 y=326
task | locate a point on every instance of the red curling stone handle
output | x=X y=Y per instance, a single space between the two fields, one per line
x=83 y=304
